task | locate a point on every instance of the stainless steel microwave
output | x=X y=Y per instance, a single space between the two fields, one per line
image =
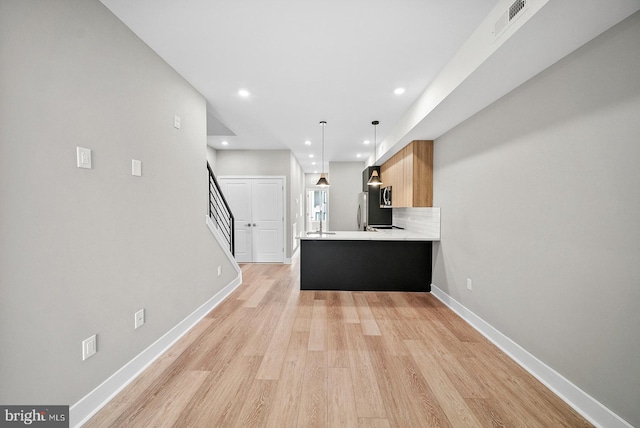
x=385 y=197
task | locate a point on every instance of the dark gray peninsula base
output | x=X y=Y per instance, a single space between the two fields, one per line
x=365 y=265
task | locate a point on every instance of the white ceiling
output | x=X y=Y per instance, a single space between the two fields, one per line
x=340 y=61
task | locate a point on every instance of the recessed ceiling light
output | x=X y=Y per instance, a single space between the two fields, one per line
x=315 y=171
x=243 y=93
x=308 y=143
x=366 y=142
x=313 y=163
x=225 y=143
x=358 y=155
x=311 y=155
x=398 y=91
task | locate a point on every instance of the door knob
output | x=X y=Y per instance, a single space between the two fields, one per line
x=249 y=224
x=254 y=225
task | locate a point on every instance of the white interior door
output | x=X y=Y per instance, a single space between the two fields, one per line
x=258 y=207
x=237 y=192
x=268 y=220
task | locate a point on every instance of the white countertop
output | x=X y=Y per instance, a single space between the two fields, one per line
x=379 y=235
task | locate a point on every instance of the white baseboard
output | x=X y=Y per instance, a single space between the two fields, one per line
x=583 y=403
x=83 y=410
x=296 y=252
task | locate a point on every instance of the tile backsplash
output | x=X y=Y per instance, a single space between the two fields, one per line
x=419 y=220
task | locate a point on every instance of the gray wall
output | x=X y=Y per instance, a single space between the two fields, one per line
x=212 y=156
x=540 y=200
x=268 y=162
x=297 y=199
x=82 y=250
x=346 y=183
x=310 y=180
x=252 y=162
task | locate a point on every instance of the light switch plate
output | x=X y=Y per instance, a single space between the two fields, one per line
x=139 y=318
x=136 y=168
x=83 y=157
x=89 y=347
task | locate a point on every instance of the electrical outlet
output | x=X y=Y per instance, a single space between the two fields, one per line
x=176 y=122
x=219 y=270
x=469 y=284
x=139 y=318
x=89 y=347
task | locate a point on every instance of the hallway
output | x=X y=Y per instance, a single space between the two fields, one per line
x=271 y=355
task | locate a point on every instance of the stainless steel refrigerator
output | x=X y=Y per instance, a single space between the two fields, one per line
x=369 y=211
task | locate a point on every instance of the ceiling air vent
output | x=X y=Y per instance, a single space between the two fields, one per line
x=516 y=8
x=509 y=16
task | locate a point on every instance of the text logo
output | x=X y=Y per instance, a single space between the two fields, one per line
x=34 y=416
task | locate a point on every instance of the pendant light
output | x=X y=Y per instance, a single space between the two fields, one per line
x=323 y=182
x=374 y=180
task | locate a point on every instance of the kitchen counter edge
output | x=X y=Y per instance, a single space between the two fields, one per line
x=379 y=235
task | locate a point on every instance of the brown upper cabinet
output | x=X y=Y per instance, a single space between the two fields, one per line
x=410 y=174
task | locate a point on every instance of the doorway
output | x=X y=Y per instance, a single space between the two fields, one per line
x=258 y=207
x=316 y=203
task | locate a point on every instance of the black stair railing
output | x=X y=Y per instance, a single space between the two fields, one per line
x=219 y=210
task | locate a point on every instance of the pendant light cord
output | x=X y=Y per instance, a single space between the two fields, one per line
x=375 y=140
x=323 y=123
x=374 y=179
x=375 y=143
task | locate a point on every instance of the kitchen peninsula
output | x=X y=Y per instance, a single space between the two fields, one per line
x=382 y=260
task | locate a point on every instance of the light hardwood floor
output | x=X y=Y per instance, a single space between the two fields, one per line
x=271 y=355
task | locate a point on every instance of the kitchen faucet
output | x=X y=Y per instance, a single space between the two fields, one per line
x=319 y=231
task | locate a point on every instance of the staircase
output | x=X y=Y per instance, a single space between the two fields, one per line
x=219 y=211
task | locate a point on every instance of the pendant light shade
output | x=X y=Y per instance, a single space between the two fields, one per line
x=374 y=180
x=323 y=182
